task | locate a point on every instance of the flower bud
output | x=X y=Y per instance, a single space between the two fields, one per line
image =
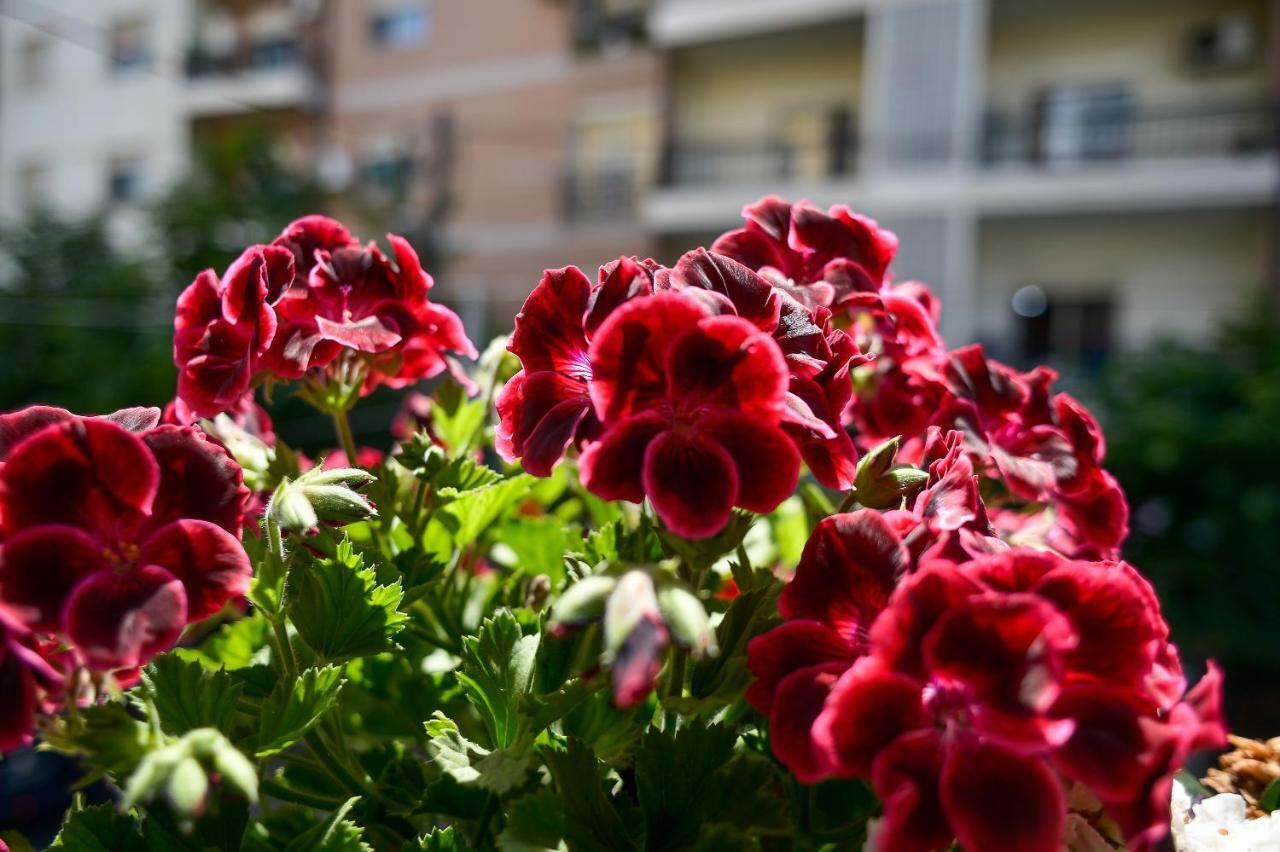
x=876 y=463
x=180 y=774
x=686 y=619
x=539 y=588
x=350 y=477
x=582 y=602
x=633 y=599
x=338 y=503
x=291 y=509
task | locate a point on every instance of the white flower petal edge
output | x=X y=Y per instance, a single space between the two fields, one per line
x=1219 y=824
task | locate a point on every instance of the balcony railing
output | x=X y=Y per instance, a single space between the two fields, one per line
x=1084 y=132
x=694 y=162
x=261 y=55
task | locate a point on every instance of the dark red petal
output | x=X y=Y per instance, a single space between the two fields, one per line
x=1108 y=607
x=771 y=215
x=753 y=298
x=1008 y=651
x=848 y=569
x=897 y=635
x=612 y=467
x=540 y=415
x=1018 y=570
x=548 y=333
x=87 y=473
x=198 y=305
x=17 y=425
x=119 y=620
x=764 y=457
x=17 y=710
x=755 y=250
x=304 y=237
x=1109 y=748
x=867 y=710
x=628 y=353
x=198 y=479
x=1099 y=515
x=991 y=386
x=136 y=419
x=797 y=702
x=40 y=566
x=692 y=482
x=790 y=646
x=209 y=561
x=638 y=661
x=905 y=776
x=1000 y=800
x=412 y=281
x=726 y=361
x=620 y=281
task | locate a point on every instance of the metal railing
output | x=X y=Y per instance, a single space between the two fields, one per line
x=1119 y=133
x=694 y=162
x=259 y=55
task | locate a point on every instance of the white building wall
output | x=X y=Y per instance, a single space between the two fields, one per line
x=67 y=128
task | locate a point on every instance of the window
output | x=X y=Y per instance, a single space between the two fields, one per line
x=33 y=63
x=124 y=179
x=1075 y=328
x=401 y=26
x=129 y=49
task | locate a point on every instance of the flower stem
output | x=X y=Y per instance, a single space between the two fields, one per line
x=346 y=440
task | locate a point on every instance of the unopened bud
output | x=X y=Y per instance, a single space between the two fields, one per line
x=582 y=602
x=632 y=600
x=179 y=773
x=539 y=588
x=350 y=477
x=291 y=509
x=686 y=619
x=338 y=503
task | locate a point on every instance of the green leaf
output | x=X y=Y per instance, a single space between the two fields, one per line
x=1270 y=798
x=592 y=823
x=535 y=823
x=748 y=793
x=189 y=696
x=465 y=474
x=294 y=706
x=233 y=646
x=442 y=840
x=100 y=828
x=497 y=671
x=539 y=545
x=468 y=514
x=455 y=419
x=674 y=775
x=339 y=609
x=17 y=842
x=471 y=765
x=335 y=834
x=721 y=680
x=104 y=737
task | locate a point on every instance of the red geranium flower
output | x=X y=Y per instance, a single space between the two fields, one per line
x=546 y=406
x=117 y=538
x=691 y=403
x=830 y=259
x=295 y=306
x=967 y=689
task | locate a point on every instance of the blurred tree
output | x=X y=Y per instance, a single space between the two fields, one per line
x=1192 y=435
x=81 y=324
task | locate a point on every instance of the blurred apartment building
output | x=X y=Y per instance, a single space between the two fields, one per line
x=1071 y=177
x=103 y=101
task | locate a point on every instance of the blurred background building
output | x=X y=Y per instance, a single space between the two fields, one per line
x=1073 y=178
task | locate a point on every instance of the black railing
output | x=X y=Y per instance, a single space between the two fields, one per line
x=260 y=55
x=691 y=162
x=1085 y=132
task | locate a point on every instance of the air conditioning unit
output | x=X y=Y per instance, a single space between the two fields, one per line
x=1230 y=41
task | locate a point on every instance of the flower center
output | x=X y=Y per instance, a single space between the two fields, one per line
x=122 y=556
x=948 y=703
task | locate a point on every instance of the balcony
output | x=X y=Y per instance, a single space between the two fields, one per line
x=1080 y=133
x=268 y=74
x=675 y=23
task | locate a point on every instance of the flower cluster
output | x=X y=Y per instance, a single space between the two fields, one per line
x=315 y=304
x=970 y=689
x=116 y=532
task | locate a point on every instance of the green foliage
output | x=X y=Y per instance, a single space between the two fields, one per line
x=189 y=696
x=294 y=706
x=339 y=609
x=1190 y=432
x=100 y=828
x=497 y=672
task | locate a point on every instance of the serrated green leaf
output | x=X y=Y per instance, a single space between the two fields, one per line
x=673 y=776
x=442 y=840
x=468 y=514
x=748 y=793
x=539 y=545
x=469 y=764
x=189 y=696
x=339 y=609
x=535 y=823
x=592 y=823
x=294 y=706
x=464 y=474
x=497 y=671
x=233 y=646
x=100 y=828
x=455 y=419
x=335 y=834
